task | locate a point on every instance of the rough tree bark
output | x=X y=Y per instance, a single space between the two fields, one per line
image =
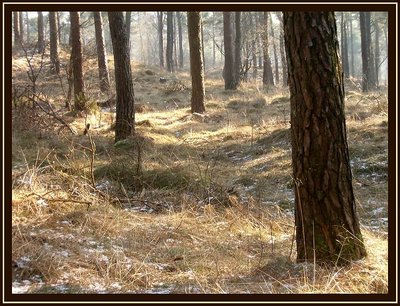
x=40 y=42
x=77 y=61
x=101 y=53
x=268 y=78
x=55 y=61
x=196 y=62
x=228 y=53
x=125 y=113
x=327 y=226
x=128 y=27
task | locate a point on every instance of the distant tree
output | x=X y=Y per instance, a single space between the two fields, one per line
x=125 y=113
x=28 y=33
x=268 y=78
x=40 y=42
x=351 y=40
x=345 y=52
x=58 y=16
x=55 y=61
x=377 y=51
x=160 y=27
x=21 y=27
x=238 y=48
x=16 y=30
x=101 y=53
x=228 y=53
x=327 y=226
x=77 y=61
x=274 y=49
x=170 y=42
x=368 y=72
x=196 y=62
x=180 y=38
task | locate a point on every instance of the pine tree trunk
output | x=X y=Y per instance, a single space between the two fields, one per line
x=179 y=16
x=368 y=72
x=345 y=57
x=16 y=30
x=352 y=72
x=274 y=50
x=268 y=78
x=58 y=15
x=327 y=226
x=101 y=53
x=377 y=51
x=282 y=52
x=128 y=27
x=54 y=43
x=170 y=42
x=77 y=61
x=160 y=38
x=238 y=48
x=21 y=27
x=125 y=114
x=40 y=43
x=196 y=62
x=228 y=52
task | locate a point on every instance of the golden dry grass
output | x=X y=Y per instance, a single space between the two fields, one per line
x=214 y=209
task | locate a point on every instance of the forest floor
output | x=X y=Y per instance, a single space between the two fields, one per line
x=192 y=204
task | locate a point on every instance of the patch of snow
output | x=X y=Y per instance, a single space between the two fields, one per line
x=20 y=288
x=64 y=253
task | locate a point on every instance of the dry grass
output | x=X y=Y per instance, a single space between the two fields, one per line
x=211 y=209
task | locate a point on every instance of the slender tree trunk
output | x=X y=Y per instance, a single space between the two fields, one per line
x=16 y=30
x=170 y=42
x=352 y=72
x=345 y=55
x=179 y=16
x=268 y=79
x=196 y=62
x=77 y=62
x=125 y=113
x=101 y=53
x=254 y=44
x=54 y=43
x=274 y=50
x=160 y=38
x=58 y=15
x=213 y=38
x=228 y=52
x=28 y=34
x=238 y=48
x=368 y=72
x=377 y=50
x=327 y=226
x=40 y=43
x=21 y=27
x=282 y=51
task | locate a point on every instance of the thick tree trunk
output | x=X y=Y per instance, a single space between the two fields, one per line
x=170 y=42
x=16 y=30
x=77 y=61
x=101 y=53
x=268 y=78
x=40 y=43
x=327 y=226
x=196 y=62
x=128 y=27
x=228 y=52
x=180 y=37
x=160 y=38
x=54 y=43
x=368 y=72
x=238 y=48
x=125 y=117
